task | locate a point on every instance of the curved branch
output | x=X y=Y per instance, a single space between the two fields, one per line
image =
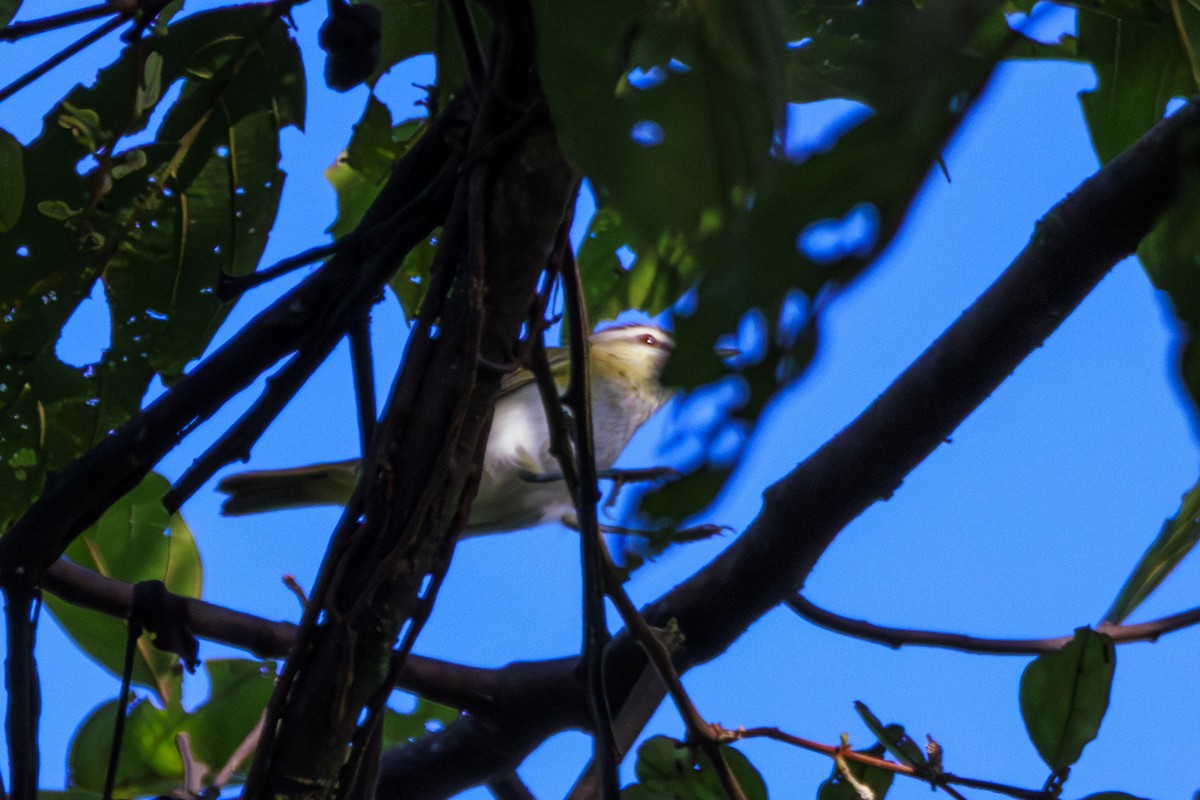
x=1075 y=245
x=477 y=690
x=899 y=637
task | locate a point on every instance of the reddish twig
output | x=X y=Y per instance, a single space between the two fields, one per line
x=835 y=751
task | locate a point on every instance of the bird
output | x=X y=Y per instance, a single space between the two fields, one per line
x=520 y=485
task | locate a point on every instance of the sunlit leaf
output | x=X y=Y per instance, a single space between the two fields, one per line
x=1176 y=539
x=150 y=761
x=135 y=540
x=699 y=128
x=359 y=173
x=1064 y=696
x=667 y=769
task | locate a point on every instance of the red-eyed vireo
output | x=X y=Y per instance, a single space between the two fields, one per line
x=626 y=362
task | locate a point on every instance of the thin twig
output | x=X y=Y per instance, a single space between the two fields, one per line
x=244 y=750
x=899 y=637
x=83 y=489
x=192 y=772
x=232 y=286
x=708 y=736
x=879 y=763
x=20 y=30
x=587 y=495
x=236 y=442
x=62 y=55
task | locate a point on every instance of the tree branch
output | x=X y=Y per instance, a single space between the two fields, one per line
x=474 y=689
x=1074 y=246
x=899 y=637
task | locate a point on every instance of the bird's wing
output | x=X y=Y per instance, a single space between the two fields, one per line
x=518 y=378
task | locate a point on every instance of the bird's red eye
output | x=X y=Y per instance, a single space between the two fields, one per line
x=647 y=339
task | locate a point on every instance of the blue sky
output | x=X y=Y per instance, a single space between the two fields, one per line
x=1025 y=525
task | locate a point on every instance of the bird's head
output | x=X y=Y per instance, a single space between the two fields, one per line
x=637 y=353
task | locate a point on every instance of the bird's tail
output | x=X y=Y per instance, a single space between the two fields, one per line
x=270 y=489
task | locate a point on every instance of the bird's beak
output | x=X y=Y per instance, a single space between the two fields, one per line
x=727 y=352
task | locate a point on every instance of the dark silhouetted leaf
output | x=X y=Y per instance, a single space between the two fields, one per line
x=1064 y=696
x=12 y=167
x=159 y=222
x=1139 y=67
x=350 y=38
x=1171 y=256
x=8 y=9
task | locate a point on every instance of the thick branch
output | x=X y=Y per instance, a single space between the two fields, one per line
x=1076 y=244
x=495 y=692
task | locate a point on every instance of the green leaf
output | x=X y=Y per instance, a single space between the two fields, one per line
x=1170 y=255
x=12 y=168
x=1064 y=696
x=159 y=222
x=360 y=172
x=400 y=728
x=693 y=491
x=671 y=770
x=856 y=195
x=8 y=9
x=1139 y=66
x=1176 y=539
x=411 y=281
x=879 y=781
x=894 y=738
x=150 y=761
x=134 y=540
x=69 y=794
